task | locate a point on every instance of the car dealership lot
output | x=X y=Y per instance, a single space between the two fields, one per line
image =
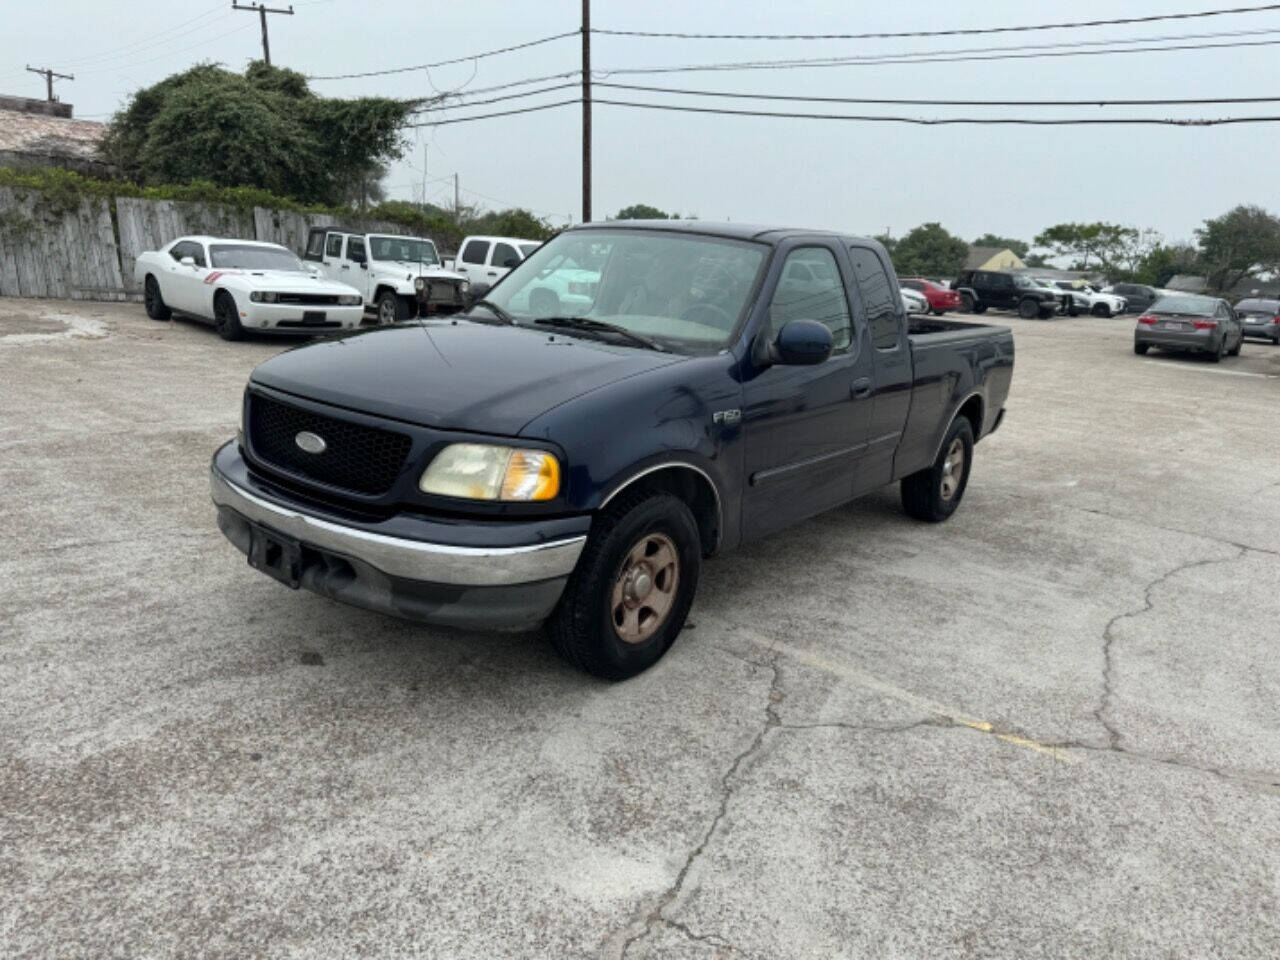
x=1046 y=727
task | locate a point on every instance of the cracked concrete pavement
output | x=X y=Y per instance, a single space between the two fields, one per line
x=1048 y=727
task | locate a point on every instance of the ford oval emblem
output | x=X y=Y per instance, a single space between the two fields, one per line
x=310 y=442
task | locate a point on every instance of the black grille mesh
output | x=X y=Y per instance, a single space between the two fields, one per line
x=364 y=459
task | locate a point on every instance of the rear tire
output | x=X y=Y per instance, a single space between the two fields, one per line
x=934 y=493
x=1217 y=355
x=226 y=319
x=1235 y=351
x=613 y=592
x=1141 y=349
x=153 y=301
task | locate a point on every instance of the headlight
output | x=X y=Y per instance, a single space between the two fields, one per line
x=419 y=283
x=465 y=284
x=481 y=471
x=349 y=300
x=259 y=296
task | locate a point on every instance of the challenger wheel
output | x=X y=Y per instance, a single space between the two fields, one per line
x=153 y=301
x=628 y=598
x=226 y=318
x=934 y=493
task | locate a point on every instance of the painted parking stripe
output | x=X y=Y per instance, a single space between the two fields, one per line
x=1229 y=373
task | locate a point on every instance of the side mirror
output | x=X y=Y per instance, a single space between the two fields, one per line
x=802 y=343
x=188 y=261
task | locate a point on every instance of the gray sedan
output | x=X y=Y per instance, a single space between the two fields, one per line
x=1260 y=318
x=1189 y=323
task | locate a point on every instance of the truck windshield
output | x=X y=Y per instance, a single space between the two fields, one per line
x=408 y=249
x=235 y=256
x=685 y=291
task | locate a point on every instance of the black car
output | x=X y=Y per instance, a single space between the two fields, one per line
x=1138 y=296
x=507 y=466
x=1001 y=289
x=1260 y=318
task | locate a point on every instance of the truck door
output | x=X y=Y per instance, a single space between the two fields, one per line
x=501 y=260
x=355 y=266
x=471 y=262
x=892 y=375
x=331 y=265
x=805 y=427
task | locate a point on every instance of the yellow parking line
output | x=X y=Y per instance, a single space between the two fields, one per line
x=871 y=682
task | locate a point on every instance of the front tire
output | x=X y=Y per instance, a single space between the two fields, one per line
x=226 y=319
x=966 y=303
x=392 y=307
x=153 y=301
x=1028 y=309
x=934 y=493
x=1101 y=310
x=628 y=598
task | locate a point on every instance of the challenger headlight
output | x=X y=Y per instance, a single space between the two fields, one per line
x=353 y=300
x=481 y=471
x=260 y=296
x=419 y=283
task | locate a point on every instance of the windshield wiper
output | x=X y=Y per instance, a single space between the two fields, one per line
x=496 y=310
x=589 y=325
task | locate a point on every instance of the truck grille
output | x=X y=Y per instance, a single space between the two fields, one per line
x=364 y=459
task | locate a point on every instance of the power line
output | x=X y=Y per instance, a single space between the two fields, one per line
x=1184 y=101
x=950 y=121
x=485 y=117
x=478 y=103
x=995 y=53
x=189 y=26
x=941 y=33
x=445 y=63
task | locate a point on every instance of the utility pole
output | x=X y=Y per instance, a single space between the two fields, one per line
x=457 y=198
x=586 y=111
x=49 y=76
x=263 y=10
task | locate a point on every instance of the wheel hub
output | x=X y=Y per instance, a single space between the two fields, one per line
x=644 y=591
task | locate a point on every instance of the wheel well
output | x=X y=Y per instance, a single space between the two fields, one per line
x=695 y=490
x=223 y=292
x=381 y=289
x=972 y=408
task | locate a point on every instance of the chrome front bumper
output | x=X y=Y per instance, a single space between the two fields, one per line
x=406 y=559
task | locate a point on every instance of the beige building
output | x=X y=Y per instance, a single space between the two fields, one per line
x=993 y=258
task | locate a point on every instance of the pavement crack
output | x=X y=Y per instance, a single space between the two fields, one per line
x=714 y=939
x=1103 y=712
x=872 y=727
x=1222 y=773
x=728 y=786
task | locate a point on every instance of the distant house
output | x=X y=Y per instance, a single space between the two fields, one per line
x=992 y=258
x=40 y=133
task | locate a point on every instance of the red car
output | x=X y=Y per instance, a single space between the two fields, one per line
x=941 y=299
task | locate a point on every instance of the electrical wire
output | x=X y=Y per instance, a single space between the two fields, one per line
x=427 y=108
x=949 y=121
x=941 y=33
x=1101 y=102
x=486 y=116
x=962 y=54
x=445 y=63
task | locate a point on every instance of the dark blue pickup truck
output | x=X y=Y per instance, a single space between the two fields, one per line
x=632 y=398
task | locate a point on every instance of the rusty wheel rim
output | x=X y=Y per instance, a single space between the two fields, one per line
x=645 y=590
x=952 y=469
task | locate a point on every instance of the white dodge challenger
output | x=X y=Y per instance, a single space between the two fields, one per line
x=243 y=285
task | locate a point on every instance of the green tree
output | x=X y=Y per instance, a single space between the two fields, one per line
x=1036 y=260
x=1091 y=244
x=642 y=211
x=1241 y=243
x=262 y=129
x=1019 y=247
x=1164 y=261
x=929 y=250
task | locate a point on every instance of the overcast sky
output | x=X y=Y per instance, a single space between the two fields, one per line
x=860 y=177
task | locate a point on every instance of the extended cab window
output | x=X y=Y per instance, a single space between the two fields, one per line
x=884 y=313
x=315 y=246
x=334 y=247
x=820 y=297
x=475 y=251
x=504 y=255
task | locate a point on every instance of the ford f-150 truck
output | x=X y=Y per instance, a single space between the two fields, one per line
x=501 y=468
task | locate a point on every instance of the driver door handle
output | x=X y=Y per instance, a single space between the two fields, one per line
x=861 y=388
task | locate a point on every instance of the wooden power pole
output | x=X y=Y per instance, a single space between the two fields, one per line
x=49 y=77
x=263 y=10
x=586 y=111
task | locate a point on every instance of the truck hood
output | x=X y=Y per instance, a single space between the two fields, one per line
x=455 y=375
x=409 y=269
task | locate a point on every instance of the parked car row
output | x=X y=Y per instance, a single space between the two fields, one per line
x=243 y=285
